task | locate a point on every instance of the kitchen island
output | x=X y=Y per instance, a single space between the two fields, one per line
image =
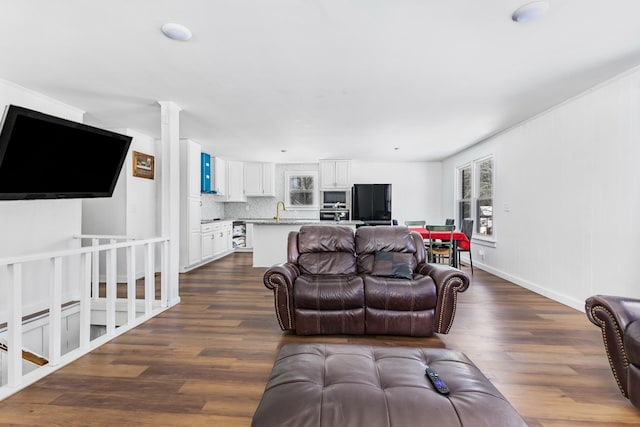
x=270 y=237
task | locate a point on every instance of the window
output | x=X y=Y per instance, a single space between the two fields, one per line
x=484 y=200
x=301 y=190
x=475 y=194
x=464 y=194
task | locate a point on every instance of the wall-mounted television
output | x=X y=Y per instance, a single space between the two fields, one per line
x=47 y=157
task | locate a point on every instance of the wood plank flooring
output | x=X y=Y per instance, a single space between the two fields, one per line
x=207 y=360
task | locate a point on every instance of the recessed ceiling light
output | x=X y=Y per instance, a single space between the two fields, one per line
x=176 y=32
x=530 y=11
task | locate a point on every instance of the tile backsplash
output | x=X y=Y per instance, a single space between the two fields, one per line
x=254 y=207
x=259 y=207
x=264 y=207
x=210 y=208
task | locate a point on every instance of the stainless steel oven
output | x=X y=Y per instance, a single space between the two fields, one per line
x=336 y=205
x=335 y=215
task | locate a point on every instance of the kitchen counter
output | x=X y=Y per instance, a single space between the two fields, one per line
x=296 y=221
x=209 y=221
x=270 y=237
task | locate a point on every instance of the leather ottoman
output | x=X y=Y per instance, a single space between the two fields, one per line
x=330 y=385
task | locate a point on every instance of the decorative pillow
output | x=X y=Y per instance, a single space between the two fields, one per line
x=393 y=264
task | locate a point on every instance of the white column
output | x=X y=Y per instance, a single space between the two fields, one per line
x=170 y=192
x=14 y=326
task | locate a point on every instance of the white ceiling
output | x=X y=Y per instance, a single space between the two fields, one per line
x=318 y=78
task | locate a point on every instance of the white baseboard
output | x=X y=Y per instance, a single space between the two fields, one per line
x=185 y=269
x=549 y=293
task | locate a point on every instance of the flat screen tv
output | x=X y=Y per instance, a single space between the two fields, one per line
x=47 y=157
x=371 y=203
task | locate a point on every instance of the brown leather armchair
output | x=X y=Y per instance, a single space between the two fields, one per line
x=619 y=320
x=373 y=281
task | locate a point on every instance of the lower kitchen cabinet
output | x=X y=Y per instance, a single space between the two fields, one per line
x=216 y=239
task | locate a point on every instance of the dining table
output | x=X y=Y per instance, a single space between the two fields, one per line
x=458 y=236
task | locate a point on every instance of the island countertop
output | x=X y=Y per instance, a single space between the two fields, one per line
x=298 y=221
x=270 y=237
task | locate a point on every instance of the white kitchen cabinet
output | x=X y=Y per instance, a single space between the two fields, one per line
x=195 y=247
x=235 y=182
x=335 y=174
x=195 y=215
x=259 y=179
x=219 y=240
x=232 y=189
x=216 y=239
x=208 y=231
x=190 y=204
x=219 y=176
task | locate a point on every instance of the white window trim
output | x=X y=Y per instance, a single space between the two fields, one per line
x=476 y=193
x=489 y=241
x=316 y=193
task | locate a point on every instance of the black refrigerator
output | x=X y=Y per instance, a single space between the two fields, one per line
x=371 y=203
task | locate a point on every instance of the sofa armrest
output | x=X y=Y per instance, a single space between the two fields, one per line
x=280 y=279
x=613 y=314
x=449 y=281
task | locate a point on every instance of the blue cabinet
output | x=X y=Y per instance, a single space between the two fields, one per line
x=205 y=173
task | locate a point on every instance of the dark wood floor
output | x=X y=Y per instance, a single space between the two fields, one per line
x=207 y=360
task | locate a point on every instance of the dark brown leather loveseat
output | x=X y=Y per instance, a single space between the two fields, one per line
x=372 y=281
x=619 y=319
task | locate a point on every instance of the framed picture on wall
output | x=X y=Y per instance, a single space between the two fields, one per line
x=143 y=165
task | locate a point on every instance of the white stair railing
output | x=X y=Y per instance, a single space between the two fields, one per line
x=88 y=282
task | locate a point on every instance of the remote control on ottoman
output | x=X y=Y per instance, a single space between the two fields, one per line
x=440 y=386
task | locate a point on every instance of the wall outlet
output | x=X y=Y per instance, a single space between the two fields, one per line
x=481 y=253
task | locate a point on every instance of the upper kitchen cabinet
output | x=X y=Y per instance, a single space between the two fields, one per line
x=335 y=174
x=233 y=190
x=259 y=179
x=235 y=182
x=219 y=185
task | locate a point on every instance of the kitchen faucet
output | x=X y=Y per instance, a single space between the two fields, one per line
x=277 y=217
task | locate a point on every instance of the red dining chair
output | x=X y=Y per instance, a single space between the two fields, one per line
x=465 y=246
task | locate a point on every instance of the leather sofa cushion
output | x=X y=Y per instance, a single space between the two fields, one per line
x=329 y=292
x=632 y=342
x=371 y=240
x=400 y=294
x=328 y=263
x=384 y=238
x=420 y=323
x=326 y=250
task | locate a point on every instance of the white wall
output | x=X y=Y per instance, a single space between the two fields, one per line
x=132 y=209
x=34 y=226
x=571 y=180
x=142 y=193
x=416 y=187
x=416 y=190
